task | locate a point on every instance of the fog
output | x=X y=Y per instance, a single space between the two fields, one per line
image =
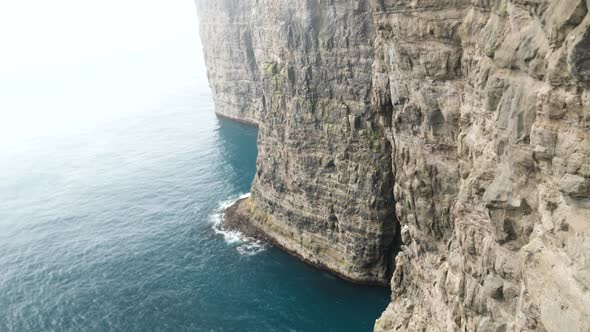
x=67 y=64
x=40 y=35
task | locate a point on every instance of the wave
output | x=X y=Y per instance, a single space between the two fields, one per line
x=245 y=245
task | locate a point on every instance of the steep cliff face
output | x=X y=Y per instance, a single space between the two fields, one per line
x=465 y=123
x=324 y=173
x=234 y=76
x=492 y=158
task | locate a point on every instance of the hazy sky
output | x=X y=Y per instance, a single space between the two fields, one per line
x=66 y=64
x=41 y=34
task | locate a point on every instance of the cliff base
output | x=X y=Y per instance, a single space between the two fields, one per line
x=243 y=216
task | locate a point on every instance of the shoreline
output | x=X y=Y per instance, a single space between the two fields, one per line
x=235 y=221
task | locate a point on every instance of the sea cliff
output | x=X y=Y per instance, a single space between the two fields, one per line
x=440 y=146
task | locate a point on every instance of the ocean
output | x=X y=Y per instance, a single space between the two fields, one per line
x=113 y=179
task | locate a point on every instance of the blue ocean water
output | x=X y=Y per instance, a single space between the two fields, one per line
x=108 y=224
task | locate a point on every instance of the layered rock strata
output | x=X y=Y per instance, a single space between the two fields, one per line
x=324 y=177
x=465 y=123
x=234 y=76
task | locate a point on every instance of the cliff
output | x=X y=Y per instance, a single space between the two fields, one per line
x=458 y=130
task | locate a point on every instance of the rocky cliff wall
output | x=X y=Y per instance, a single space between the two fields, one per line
x=492 y=158
x=232 y=68
x=324 y=177
x=464 y=123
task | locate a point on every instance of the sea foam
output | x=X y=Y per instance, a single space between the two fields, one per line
x=245 y=245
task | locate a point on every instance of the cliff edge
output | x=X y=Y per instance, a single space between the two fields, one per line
x=456 y=129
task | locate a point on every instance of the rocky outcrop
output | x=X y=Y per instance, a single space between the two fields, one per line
x=464 y=123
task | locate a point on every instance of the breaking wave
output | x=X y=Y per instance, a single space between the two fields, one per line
x=245 y=245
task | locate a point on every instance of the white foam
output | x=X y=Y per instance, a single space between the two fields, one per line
x=247 y=246
x=251 y=248
x=227 y=203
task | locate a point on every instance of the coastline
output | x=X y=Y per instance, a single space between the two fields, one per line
x=236 y=220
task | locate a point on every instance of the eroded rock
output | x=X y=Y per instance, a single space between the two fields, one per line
x=466 y=122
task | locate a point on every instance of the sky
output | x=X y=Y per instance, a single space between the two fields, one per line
x=67 y=64
x=40 y=35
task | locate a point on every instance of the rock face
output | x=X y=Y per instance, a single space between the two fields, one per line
x=323 y=188
x=465 y=124
x=234 y=76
